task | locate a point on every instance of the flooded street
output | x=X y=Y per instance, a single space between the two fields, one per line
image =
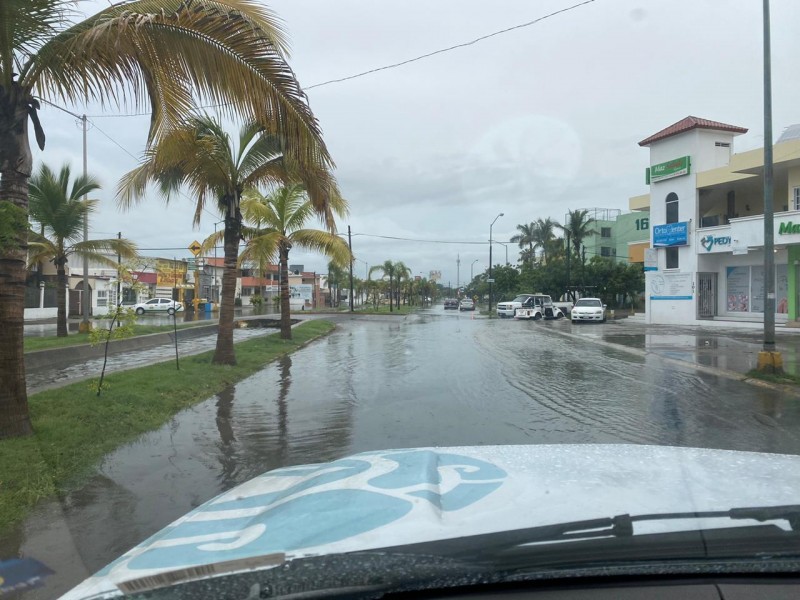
x=430 y=379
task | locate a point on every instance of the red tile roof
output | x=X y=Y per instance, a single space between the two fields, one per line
x=687 y=124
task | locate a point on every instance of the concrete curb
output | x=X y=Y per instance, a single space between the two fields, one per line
x=728 y=374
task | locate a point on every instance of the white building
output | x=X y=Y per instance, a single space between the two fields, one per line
x=707 y=225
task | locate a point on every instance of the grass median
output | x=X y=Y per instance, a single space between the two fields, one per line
x=75 y=429
x=33 y=343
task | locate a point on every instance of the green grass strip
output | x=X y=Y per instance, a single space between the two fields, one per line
x=784 y=378
x=32 y=343
x=75 y=429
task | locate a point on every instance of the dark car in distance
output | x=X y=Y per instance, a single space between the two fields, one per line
x=450 y=303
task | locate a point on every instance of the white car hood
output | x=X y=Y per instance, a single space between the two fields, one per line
x=395 y=497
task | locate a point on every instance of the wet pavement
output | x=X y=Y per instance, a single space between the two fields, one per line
x=430 y=379
x=60 y=374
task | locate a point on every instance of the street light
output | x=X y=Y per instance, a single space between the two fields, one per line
x=471 y=276
x=506 y=247
x=491 y=281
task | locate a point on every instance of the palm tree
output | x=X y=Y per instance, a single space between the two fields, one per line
x=395 y=272
x=160 y=54
x=60 y=212
x=200 y=154
x=525 y=237
x=276 y=225
x=577 y=228
x=336 y=275
x=543 y=233
x=401 y=274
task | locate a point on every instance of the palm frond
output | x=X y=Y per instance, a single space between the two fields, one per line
x=262 y=247
x=324 y=242
x=167 y=53
x=98 y=249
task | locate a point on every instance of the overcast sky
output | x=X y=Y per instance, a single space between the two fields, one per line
x=530 y=123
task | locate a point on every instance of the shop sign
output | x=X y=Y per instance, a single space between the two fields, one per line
x=666 y=170
x=788 y=228
x=709 y=241
x=672 y=286
x=650 y=259
x=671 y=234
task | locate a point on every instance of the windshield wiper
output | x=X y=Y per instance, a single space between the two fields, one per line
x=609 y=532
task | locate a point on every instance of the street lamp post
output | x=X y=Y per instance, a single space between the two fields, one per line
x=491 y=281
x=471 y=276
x=506 y=247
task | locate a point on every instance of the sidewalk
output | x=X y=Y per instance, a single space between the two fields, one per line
x=718 y=346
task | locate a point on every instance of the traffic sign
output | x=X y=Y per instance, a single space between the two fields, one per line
x=490 y=280
x=195 y=247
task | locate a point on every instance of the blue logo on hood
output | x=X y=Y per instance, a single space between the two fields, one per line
x=328 y=503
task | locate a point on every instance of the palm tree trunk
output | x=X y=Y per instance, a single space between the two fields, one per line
x=286 y=318
x=61 y=299
x=16 y=164
x=224 y=353
x=391 y=294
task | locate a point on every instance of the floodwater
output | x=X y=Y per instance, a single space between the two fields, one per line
x=430 y=379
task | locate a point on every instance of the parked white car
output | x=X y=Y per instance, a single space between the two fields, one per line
x=588 y=309
x=158 y=305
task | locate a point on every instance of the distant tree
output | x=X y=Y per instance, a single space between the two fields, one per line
x=277 y=223
x=578 y=227
x=60 y=211
x=525 y=238
x=543 y=234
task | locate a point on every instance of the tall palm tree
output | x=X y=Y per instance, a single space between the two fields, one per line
x=578 y=227
x=161 y=54
x=543 y=233
x=401 y=274
x=336 y=275
x=525 y=237
x=394 y=271
x=60 y=212
x=201 y=155
x=276 y=224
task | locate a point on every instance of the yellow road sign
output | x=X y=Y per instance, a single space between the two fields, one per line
x=194 y=247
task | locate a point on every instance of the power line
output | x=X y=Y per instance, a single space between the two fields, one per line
x=450 y=48
x=397 y=64
x=126 y=151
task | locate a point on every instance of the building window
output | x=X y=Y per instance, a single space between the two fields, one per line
x=605 y=251
x=672 y=258
x=605 y=232
x=796 y=198
x=102 y=298
x=722 y=144
x=672 y=207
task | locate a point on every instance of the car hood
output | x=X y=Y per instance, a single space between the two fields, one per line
x=397 y=497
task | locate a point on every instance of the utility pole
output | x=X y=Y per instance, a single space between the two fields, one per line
x=458 y=272
x=350 y=245
x=569 y=251
x=119 y=273
x=769 y=360
x=491 y=281
x=85 y=325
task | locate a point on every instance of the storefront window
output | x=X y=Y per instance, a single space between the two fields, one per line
x=672 y=207
x=746 y=289
x=672 y=258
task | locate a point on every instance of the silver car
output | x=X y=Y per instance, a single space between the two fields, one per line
x=588 y=309
x=466 y=304
x=158 y=305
